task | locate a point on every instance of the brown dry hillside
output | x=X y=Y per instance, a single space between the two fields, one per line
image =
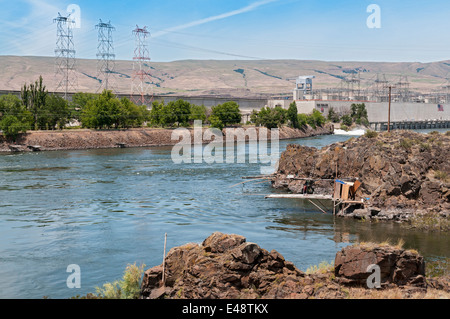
x=236 y=78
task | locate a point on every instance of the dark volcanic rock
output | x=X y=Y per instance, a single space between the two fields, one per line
x=224 y=266
x=228 y=267
x=397 y=266
x=402 y=173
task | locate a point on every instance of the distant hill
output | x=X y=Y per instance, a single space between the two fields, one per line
x=235 y=78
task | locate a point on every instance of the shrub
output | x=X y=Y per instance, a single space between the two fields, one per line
x=12 y=126
x=347 y=120
x=127 y=288
x=323 y=268
x=443 y=176
x=302 y=120
x=406 y=143
x=371 y=134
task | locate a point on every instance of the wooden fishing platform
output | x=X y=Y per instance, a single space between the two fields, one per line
x=301 y=196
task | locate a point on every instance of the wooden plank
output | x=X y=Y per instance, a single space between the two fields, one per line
x=345 y=191
x=317 y=206
x=337 y=190
x=300 y=196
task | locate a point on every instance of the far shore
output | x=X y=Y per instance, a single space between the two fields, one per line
x=83 y=139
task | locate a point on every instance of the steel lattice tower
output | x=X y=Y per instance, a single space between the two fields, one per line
x=141 y=79
x=106 y=63
x=65 y=55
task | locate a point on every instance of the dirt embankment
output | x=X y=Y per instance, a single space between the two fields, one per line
x=228 y=267
x=90 y=139
x=403 y=173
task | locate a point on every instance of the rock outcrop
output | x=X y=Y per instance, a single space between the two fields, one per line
x=403 y=173
x=397 y=266
x=228 y=267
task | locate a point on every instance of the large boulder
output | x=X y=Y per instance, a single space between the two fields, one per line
x=397 y=266
x=222 y=267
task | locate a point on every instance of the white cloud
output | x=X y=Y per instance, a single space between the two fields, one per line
x=246 y=9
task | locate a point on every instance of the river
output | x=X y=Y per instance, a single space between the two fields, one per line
x=104 y=209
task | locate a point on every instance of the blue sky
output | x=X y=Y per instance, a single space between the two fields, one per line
x=412 y=31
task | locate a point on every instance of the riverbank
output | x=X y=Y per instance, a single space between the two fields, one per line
x=404 y=174
x=146 y=137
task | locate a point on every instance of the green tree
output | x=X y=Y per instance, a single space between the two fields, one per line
x=359 y=114
x=14 y=118
x=271 y=117
x=198 y=113
x=155 y=113
x=182 y=112
x=216 y=122
x=228 y=113
x=316 y=119
x=11 y=126
x=333 y=116
x=103 y=112
x=55 y=113
x=292 y=115
x=34 y=97
x=79 y=101
x=132 y=115
x=302 y=120
x=347 y=120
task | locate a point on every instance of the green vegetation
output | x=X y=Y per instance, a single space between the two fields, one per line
x=292 y=116
x=430 y=222
x=437 y=268
x=406 y=143
x=106 y=112
x=333 y=116
x=277 y=117
x=371 y=134
x=228 y=113
x=14 y=117
x=323 y=268
x=316 y=119
x=359 y=114
x=443 y=176
x=270 y=117
x=127 y=288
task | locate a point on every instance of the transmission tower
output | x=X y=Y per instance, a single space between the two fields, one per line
x=140 y=90
x=65 y=55
x=106 y=59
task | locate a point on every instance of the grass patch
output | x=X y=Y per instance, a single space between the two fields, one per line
x=323 y=268
x=430 y=222
x=442 y=176
x=406 y=143
x=371 y=134
x=437 y=268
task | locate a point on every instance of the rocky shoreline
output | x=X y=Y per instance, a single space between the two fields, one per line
x=228 y=267
x=91 y=139
x=404 y=174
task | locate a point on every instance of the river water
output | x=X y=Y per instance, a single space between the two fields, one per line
x=104 y=209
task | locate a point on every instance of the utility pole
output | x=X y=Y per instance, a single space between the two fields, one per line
x=389 y=114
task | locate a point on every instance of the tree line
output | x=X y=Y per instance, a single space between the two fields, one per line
x=37 y=109
x=278 y=117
